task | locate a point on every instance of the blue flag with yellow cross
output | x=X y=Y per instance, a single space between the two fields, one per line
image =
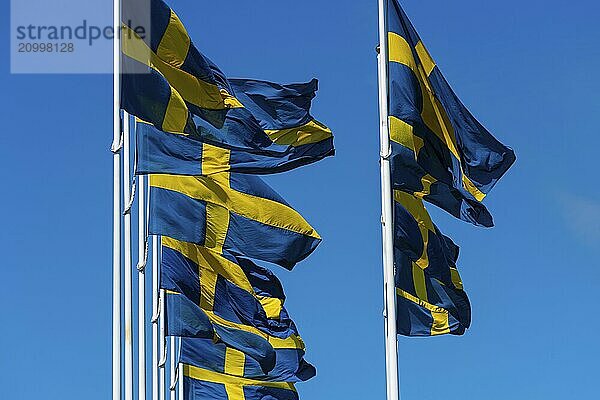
x=230 y=213
x=440 y=152
x=226 y=288
x=275 y=132
x=236 y=294
x=179 y=94
x=430 y=296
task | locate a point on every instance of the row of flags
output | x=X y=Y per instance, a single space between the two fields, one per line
x=441 y=155
x=203 y=139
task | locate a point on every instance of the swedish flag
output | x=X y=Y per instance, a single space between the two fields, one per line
x=166 y=79
x=440 y=152
x=230 y=213
x=431 y=299
x=186 y=319
x=202 y=384
x=226 y=288
x=203 y=353
x=169 y=84
x=275 y=132
x=241 y=299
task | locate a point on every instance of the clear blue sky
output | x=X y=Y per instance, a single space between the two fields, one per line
x=527 y=70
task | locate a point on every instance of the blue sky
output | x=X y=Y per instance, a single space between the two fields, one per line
x=527 y=70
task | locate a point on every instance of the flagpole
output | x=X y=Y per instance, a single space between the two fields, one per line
x=155 y=316
x=142 y=260
x=162 y=346
x=127 y=263
x=180 y=381
x=391 y=340
x=172 y=369
x=116 y=317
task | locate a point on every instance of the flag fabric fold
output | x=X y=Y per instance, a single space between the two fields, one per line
x=290 y=364
x=274 y=133
x=453 y=161
x=224 y=288
x=431 y=298
x=185 y=319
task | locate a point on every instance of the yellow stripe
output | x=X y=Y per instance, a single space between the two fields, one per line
x=235 y=362
x=217 y=225
x=176 y=114
x=209 y=260
x=312 y=132
x=419 y=281
x=425 y=58
x=402 y=133
x=441 y=324
x=292 y=342
x=193 y=90
x=208 y=289
x=416 y=208
x=214 y=159
x=456 y=279
x=259 y=209
x=399 y=51
x=434 y=115
x=235 y=392
x=426 y=181
x=272 y=306
x=471 y=188
x=175 y=43
x=214 y=377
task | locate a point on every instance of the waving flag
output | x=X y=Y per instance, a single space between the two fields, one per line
x=440 y=152
x=220 y=358
x=166 y=79
x=275 y=132
x=203 y=384
x=224 y=288
x=170 y=85
x=233 y=214
x=431 y=299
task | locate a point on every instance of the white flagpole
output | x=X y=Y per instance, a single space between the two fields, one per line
x=387 y=218
x=162 y=343
x=172 y=369
x=142 y=260
x=116 y=347
x=155 y=316
x=180 y=381
x=127 y=265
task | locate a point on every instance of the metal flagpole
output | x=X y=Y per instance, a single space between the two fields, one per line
x=127 y=264
x=155 y=316
x=180 y=369
x=162 y=343
x=142 y=260
x=172 y=369
x=116 y=149
x=391 y=340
